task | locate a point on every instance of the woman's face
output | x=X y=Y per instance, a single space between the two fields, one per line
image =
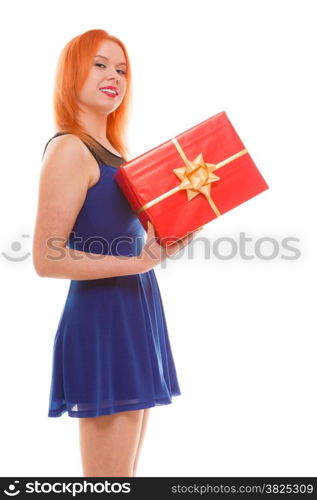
x=108 y=69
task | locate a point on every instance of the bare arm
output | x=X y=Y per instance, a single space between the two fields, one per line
x=63 y=185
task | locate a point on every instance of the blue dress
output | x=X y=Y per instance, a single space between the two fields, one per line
x=111 y=350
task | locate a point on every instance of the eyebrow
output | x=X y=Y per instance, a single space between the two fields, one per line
x=107 y=59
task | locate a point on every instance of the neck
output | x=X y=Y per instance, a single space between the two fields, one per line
x=95 y=125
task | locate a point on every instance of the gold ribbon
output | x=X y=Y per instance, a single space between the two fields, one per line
x=196 y=177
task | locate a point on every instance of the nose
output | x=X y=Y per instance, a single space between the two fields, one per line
x=113 y=73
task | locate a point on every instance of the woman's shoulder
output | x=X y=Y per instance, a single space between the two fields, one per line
x=69 y=143
x=67 y=159
x=71 y=146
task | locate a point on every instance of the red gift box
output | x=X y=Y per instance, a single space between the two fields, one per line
x=191 y=179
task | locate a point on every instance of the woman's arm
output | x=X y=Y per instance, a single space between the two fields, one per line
x=64 y=181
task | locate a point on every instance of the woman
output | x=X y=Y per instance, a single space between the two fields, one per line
x=112 y=359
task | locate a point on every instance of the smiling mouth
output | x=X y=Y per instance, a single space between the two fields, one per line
x=110 y=92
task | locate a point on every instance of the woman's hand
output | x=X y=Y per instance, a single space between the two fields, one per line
x=153 y=253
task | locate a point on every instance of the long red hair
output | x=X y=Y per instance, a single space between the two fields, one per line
x=72 y=69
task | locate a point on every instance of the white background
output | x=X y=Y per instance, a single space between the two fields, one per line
x=243 y=332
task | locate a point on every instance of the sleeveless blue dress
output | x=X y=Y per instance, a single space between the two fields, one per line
x=111 y=350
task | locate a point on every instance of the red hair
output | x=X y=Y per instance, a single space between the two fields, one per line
x=73 y=66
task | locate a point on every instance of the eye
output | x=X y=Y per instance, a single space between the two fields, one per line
x=100 y=64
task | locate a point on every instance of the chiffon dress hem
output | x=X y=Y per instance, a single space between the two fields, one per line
x=129 y=407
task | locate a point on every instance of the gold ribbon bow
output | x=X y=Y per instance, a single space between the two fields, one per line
x=196 y=177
